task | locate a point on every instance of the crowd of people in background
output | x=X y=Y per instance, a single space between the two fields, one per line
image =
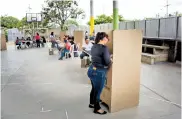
x=70 y=45
x=63 y=45
x=37 y=41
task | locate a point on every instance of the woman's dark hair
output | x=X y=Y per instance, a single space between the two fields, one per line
x=43 y=37
x=52 y=33
x=38 y=34
x=66 y=36
x=100 y=36
x=73 y=38
x=86 y=37
x=69 y=37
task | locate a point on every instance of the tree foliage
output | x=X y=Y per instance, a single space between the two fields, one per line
x=60 y=11
x=178 y=14
x=149 y=18
x=9 y=22
x=70 y=22
x=101 y=19
x=22 y=23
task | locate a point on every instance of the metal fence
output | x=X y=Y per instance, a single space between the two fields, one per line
x=163 y=28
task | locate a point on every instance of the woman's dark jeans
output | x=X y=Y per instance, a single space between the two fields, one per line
x=83 y=55
x=63 y=52
x=38 y=43
x=98 y=78
x=19 y=45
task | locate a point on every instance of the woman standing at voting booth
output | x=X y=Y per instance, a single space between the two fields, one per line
x=97 y=72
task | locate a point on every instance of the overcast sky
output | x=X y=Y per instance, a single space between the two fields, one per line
x=130 y=9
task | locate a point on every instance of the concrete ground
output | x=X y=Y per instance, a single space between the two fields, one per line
x=35 y=85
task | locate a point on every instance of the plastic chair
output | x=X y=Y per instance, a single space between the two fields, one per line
x=23 y=45
x=31 y=44
x=49 y=45
x=77 y=51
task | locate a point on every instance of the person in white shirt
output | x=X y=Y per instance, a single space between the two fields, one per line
x=87 y=48
x=53 y=40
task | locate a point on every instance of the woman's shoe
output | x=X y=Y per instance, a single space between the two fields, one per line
x=101 y=113
x=60 y=58
x=91 y=106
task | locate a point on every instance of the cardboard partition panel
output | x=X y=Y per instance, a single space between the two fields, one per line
x=123 y=78
x=3 y=42
x=79 y=37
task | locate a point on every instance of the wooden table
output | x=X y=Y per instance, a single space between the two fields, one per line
x=160 y=53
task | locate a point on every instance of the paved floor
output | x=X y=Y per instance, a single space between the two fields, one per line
x=35 y=85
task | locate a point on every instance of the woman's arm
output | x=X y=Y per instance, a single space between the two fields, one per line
x=107 y=57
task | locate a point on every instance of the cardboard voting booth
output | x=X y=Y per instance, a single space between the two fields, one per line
x=123 y=78
x=3 y=41
x=79 y=38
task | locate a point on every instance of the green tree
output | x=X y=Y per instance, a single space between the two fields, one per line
x=149 y=18
x=6 y=34
x=45 y=23
x=9 y=22
x=22 y=23
x=101 y=19
x=69 y=22
x=60 y=11
x=178 y=14
x=120 y=18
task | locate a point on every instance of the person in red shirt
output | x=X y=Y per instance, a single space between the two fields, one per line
x=18 y=42
x=66 y=49
x=37 y=38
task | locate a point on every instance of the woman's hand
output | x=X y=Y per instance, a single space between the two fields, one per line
x=111 y=60
x=111 y=56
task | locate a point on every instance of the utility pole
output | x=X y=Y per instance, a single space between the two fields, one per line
x=91 y=17
x=29 y=8
x=167 y=8
x=115 y=15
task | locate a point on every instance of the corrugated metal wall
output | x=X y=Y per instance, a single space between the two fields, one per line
x=179 y=28
x=168 y=28
x=152 y=28
x=130 y=25
x=141 y=25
